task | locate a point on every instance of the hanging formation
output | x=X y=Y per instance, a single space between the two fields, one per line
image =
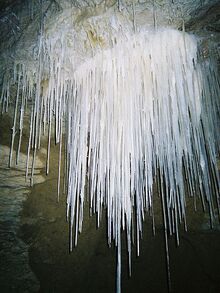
x=145 y=109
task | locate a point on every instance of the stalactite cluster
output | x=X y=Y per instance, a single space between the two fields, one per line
x=146 y=109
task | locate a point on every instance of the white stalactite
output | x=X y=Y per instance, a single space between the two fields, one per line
x=146 y=108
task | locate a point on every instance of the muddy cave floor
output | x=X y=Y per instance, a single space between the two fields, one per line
x=194 y=265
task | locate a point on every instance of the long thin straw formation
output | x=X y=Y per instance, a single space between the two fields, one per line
x=144 y=109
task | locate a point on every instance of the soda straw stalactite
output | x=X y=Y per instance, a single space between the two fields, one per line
x=146 y=109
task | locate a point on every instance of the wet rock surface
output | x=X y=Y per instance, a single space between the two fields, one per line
x=15 y=272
